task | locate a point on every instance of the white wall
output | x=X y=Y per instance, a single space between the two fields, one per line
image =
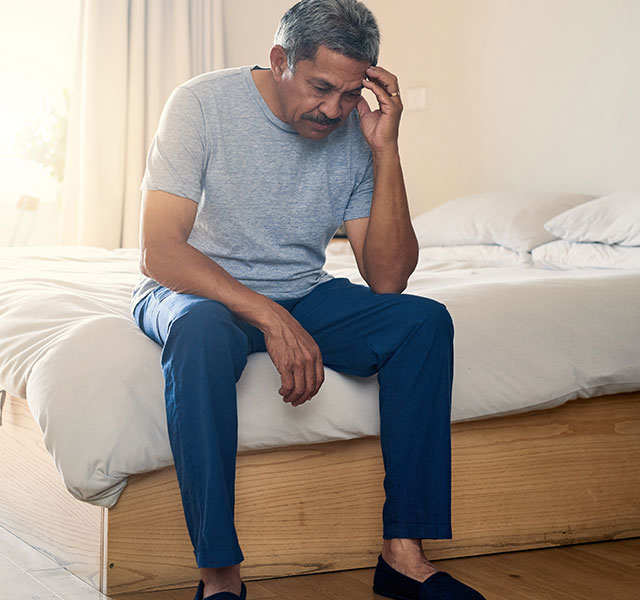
x=521 y=94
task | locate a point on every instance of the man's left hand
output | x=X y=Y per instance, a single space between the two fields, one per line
x=380 y=127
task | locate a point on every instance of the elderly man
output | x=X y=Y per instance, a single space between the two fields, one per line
x=250 y=174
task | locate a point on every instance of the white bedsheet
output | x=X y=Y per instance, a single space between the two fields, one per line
x=525 y=338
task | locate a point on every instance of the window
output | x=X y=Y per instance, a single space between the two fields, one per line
x=37 y=44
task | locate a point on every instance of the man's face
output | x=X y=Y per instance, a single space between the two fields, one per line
x=320 y=94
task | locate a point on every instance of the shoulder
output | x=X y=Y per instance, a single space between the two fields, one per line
x=214 y=80
x=217 y=93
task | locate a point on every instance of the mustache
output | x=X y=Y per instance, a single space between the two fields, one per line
x=321 y=120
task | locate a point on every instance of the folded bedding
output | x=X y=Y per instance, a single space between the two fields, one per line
x=526 y=338
x=561 y=254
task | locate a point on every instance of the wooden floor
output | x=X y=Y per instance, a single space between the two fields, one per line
x=601 y=571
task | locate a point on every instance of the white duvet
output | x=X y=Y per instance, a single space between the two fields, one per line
x=525 y=338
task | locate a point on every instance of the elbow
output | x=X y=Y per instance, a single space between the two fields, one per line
x=379 y=283
x=148 y=262
x=161 y=260
x=143 y=264
x=392 y=282
x=388 y=287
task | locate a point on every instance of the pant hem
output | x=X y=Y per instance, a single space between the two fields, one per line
x=431 y=531
x=214 y=559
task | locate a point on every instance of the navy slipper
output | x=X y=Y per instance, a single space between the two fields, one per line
x=220 y=595
x=390 y=583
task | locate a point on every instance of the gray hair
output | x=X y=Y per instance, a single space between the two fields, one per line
x=345 y=26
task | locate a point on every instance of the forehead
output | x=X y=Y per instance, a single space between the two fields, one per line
x=335 y=68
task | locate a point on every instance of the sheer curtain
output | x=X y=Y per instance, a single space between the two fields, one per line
x=131 y=55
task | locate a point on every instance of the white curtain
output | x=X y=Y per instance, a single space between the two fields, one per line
x=131 y=55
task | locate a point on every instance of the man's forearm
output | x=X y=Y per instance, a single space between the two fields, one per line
x=186 y=270
x=390 y=251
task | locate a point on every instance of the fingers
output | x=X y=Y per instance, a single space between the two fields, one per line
x=308 y=376
x=387 y=103
x=308 y=386
x=301 y=376
x=301 y=390
x=288 y=383
x=293 y=382
x=297 y=358
x=319 y=375
x=385 y=87
x=384 y=78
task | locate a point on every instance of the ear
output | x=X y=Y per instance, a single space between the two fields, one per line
x=278 y=59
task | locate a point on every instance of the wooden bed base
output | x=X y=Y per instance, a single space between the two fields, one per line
x=545 y=478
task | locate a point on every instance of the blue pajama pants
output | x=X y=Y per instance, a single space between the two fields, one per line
x=406 y=339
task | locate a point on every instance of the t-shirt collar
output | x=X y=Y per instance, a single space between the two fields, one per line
x=261 y=101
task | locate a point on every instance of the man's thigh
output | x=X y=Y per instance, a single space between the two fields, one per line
x=164 y=309
x=356 y=329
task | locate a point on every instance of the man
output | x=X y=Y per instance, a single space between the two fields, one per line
x=250 y=174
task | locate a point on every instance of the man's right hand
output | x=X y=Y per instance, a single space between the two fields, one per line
x=166 y=256
x=295 y=355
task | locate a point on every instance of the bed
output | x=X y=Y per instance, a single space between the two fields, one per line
x=546 y=418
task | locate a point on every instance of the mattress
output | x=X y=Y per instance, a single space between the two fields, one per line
x=526 y=338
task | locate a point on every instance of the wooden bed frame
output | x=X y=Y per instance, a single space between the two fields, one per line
x=565 y=475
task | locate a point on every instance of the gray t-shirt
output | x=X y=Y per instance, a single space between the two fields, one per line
x=269 y=200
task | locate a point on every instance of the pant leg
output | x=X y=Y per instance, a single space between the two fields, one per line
x=408 y=340
x=205 y=350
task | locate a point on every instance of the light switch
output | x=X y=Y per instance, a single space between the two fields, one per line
x=415 y=98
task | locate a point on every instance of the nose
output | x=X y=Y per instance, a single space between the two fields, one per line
x=331 y=106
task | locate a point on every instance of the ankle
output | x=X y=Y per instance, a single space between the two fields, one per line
x=402 y=548
x=407 y=557
x=222 y=579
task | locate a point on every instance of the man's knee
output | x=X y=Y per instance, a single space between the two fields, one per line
x=205 y=321
x=206 y=332
x=420 y=310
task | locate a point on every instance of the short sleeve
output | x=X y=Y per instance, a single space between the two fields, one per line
x=177 y=156
x=359 y=205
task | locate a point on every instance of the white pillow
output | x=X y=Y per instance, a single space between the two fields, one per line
x=561 y=254
x=481 y=255
x=613 y=219
x=515 y=221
